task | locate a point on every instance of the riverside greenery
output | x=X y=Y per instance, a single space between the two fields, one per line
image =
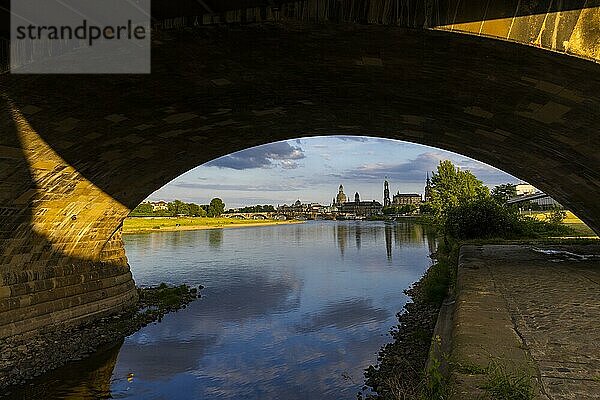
x=464 y=209
x=461 y=208
x=178 y=207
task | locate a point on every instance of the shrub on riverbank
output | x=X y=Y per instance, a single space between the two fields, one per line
x=484 y=218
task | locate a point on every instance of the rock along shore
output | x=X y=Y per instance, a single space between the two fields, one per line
x=24 y=359
x=402 y=363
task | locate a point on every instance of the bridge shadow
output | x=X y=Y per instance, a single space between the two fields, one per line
x=16 y=196
x=90 y=378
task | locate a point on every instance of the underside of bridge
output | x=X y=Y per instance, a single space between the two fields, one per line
x=77 y=153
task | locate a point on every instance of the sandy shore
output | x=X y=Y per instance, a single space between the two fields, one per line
x=127 y=230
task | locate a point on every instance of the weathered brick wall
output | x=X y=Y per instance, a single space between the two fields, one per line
x=44 y=298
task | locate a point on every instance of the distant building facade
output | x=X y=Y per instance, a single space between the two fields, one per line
x=529 y=197
x=524 y=189
x=305 y=211
x=357 y=208
x=158 y=205
x=401 y=199
x=360 y=208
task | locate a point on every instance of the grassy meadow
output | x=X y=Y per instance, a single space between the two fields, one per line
x=158 y=224
x=580 y=228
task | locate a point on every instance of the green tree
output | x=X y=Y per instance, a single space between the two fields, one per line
x=216 y=207
x=452 y=187
x=426 y=208
x=178 y=207
x=485 y=218
x=143 y=210
x=502 y=193
x=194 y=210
x=481 y=218
x=400 y=209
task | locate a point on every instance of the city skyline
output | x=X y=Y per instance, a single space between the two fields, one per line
x=283 y=172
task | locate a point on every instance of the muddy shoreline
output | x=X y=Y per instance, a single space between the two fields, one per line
x=22 y=360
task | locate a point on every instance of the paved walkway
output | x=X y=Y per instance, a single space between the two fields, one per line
x=533 y=309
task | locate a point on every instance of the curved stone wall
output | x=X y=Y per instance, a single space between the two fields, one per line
x=78 y=152
x=59 y=260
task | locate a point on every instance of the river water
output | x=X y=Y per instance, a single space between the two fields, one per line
x=288 y=312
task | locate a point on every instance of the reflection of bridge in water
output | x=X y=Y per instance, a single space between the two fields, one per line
x=87 y=379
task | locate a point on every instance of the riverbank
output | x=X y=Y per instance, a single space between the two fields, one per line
x=172 y=224
x=22 y=360
x=507 y=298
x=401 y=369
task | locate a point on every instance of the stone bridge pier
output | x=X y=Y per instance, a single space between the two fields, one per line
x=77 y=153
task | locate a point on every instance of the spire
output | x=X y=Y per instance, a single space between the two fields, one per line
x=428 y=189
x=386 y=193
x=341 y=196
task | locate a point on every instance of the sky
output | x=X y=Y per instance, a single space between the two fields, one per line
x=311 y=170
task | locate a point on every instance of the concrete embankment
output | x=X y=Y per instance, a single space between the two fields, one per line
x=532 y=313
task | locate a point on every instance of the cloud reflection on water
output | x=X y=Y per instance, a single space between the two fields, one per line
x=285 y=315
x=343 y=315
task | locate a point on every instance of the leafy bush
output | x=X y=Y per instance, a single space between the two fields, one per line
x=556 y=216
x=531 y=227
x=484 y=218
x=480 y=219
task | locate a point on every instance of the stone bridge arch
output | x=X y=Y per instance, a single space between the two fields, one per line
x=77 y=153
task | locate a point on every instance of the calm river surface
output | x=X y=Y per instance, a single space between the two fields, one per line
x=288 y=312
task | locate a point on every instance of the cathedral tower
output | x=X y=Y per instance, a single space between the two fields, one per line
x=341 y=196
x=386 y=194
x=428 y=189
